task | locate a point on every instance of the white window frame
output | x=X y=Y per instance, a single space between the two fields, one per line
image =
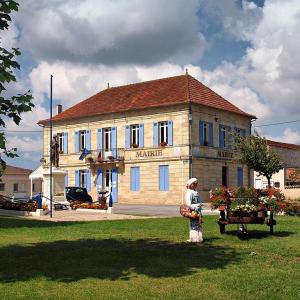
x=82 y=139
x=17 y=189
x=135 y=135
x=107 y=139
x=82 y=178
x=60 y=140
x=163 y=132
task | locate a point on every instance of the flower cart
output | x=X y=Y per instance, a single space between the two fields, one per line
x=247 y=206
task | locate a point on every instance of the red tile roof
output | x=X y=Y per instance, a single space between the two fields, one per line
x=155 y=93
x=11 y=170
x=283 y=145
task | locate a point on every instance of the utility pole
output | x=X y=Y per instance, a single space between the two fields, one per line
x=51 y=156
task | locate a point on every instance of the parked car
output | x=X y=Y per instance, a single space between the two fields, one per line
x=74 y=193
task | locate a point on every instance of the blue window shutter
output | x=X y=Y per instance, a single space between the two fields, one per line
x=141 y=136
x=244 y=133
x=114 y=185
x=211 y=134
x=166 y=178
x=65 y=145
x=201 y=133
x=155 y=134
x=170 y=133
x=137 y=179
x=88 y=140
x=161 y=178
x=229 y=137
x=240 y=177
x=66 y=180
x=99 y=139
x=132 y=179
x=99 y=179
x=221 y=139
x=76 y=141
x=88 y=180
x=77 y=178
x=114 y=141
x=127 y=137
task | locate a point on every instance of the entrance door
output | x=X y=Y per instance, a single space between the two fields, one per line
x=225 y=176
x=111 y=183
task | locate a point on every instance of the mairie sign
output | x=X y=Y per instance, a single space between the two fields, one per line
x=225 y=154
x=149 y=153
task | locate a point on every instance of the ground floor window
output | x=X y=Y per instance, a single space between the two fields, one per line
x=163 y=178
x=16 y=187
x=135 y=179
x=2 y=187
x=240 y=181
x=108 y=180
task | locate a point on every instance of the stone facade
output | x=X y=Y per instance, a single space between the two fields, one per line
x=207 y=160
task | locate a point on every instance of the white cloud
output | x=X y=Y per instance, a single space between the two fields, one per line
x=289 y=136
x=25 y=143
x=108 y=32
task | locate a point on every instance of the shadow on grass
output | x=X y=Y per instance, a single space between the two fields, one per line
x=19 y=222
x=261 y=234
x=111 y=259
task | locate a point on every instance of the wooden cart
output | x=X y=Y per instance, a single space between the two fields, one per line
x=258 y=217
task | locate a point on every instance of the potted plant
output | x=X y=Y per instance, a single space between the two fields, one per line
x=163 y=144
x=135 y=145
x=110 y=157
x=89 y=158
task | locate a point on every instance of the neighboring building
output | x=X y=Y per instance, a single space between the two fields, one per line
x=287 y=179
x=147 y=139
x=15 y=182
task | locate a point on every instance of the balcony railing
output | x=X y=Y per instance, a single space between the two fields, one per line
x=99 y=157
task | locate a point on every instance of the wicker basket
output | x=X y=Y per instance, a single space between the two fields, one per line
x=186 y=212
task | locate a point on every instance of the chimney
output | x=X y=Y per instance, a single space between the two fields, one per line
x=58 y=108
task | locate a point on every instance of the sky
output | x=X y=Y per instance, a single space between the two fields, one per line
x=247 y=51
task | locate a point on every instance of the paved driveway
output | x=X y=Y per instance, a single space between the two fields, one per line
x=154 y=210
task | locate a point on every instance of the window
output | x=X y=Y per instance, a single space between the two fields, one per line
x=33 y=187
x=83 y=178
x=225 y=136
x=240 y=177
x=2 y=187
x=16 y=187
x=163 y=132
x=206 y=134
x=163 y=178
x=135 y=179
x=107 y=139
x=134 y=136
x=108 y=180
x=82 y=139
x=60 y=139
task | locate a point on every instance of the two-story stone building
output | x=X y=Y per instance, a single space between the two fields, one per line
x=147 y=139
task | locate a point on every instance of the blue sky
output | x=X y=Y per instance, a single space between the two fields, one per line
x=244 y=50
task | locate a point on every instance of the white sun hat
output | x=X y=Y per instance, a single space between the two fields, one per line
x=191 y=181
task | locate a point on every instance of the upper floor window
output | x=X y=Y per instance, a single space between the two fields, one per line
x=163 y=132
x=225 y=136
x=206 y=133
x=134 y=135
x=82 y=139
x=107 y=139
x=60 y=139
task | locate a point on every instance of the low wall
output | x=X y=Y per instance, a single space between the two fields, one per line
x=10 y=212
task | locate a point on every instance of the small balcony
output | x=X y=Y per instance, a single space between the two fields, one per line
x=105 y=157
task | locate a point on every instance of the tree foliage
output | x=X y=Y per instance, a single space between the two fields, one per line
x=258 y=156
x=10 y=107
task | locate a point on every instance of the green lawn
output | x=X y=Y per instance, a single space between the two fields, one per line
x=146 y=259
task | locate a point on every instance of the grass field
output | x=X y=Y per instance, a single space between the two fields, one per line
x=146 y=259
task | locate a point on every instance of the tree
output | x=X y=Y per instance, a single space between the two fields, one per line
x=10 y=107
x=258 y=156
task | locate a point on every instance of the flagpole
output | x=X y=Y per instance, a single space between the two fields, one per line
x=51 y=156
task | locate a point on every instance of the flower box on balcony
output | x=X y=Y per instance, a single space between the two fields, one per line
x=163 y=144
